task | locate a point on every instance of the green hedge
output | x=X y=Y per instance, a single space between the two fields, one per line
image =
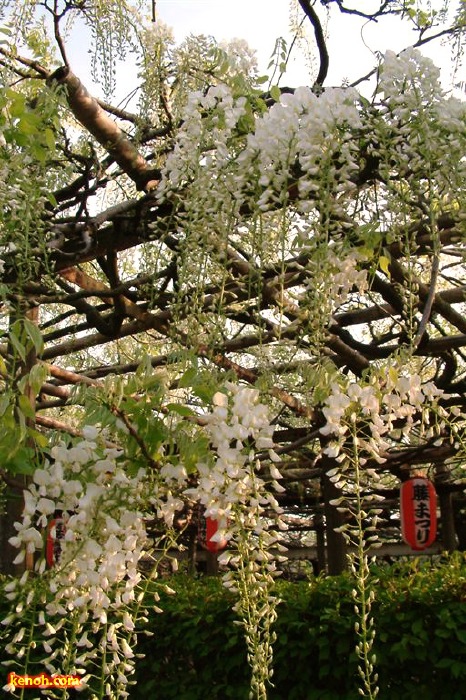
x=197 y=652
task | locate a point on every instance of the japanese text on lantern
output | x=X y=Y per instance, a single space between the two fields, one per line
x=418 y=512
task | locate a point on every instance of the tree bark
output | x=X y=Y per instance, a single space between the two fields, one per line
x=90 y=114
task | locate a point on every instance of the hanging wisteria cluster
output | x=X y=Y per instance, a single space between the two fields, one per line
x=398 y=402
x=239 y=428
x=361 y=421
x=232 y=491
x=315 y=142
x=87 y=606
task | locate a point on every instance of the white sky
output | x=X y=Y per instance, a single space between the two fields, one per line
x=352 y=42
x=261 y=22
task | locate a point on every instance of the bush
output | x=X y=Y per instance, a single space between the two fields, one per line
x=198 y=652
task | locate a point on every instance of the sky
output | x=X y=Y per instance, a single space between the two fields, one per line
x=259 y=22
x=353 y=43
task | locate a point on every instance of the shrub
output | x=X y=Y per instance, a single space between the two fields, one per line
x=198 y=652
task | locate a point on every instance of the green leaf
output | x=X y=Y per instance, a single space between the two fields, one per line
x=34 y=334
x=275 y=93
x=458 y=669
x=22 y=463
x=204 y=392
x=37 y=376
x=40 y=439
x=28 y=124
x=49 y=138
x=50 y=197
x=25 y=406
x=4 y=403
x=384 y=264
x=180 y=409
x=188 y=378
x=19 y=347
x=16 y=103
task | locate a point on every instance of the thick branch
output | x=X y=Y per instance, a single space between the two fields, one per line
x=320 y=40
x=90 y=114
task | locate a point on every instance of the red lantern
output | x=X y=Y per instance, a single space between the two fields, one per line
x=55 y=533
x=211 y=529
x=207 y=529
x=418 y=502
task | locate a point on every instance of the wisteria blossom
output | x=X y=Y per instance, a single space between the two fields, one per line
x=379 y=405
x=95 y=579
x=248 y=514
x=94 y=586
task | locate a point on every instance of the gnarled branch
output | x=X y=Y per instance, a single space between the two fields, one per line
x=320 y=40
x=90 y=114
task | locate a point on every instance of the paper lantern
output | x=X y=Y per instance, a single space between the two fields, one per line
x=207 y=529
x=418 y=505
x=55 y=533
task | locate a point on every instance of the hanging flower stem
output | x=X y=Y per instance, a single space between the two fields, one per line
x=363 y=594
x=257 y=608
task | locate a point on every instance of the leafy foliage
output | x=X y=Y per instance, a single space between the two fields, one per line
x=420 y=641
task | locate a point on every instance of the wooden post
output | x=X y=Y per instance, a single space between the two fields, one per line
x=336 y=545
x=447 y=518
x=211 y=563
x=320 y=542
